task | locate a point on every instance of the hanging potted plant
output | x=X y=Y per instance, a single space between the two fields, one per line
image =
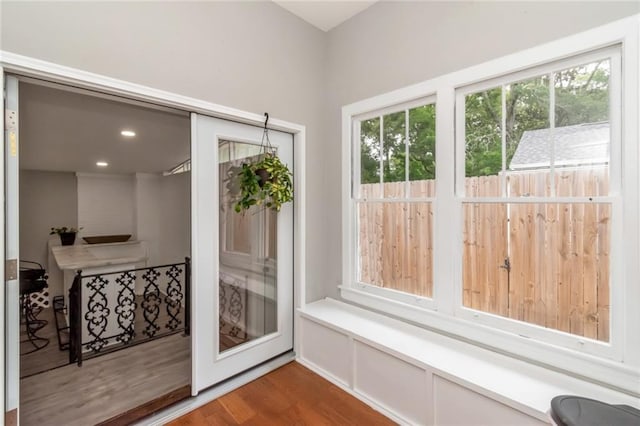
x=67 y=235
x=267 y=181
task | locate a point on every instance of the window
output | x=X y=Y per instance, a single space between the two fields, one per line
x=544 y=138
x=394 y=198
x=525 y=237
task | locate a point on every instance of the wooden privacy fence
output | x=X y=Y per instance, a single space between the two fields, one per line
x=543 y=263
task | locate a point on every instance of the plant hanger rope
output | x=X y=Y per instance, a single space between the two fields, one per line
x=265 y=144
x=266 y=181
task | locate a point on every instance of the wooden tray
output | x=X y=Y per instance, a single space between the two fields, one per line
x=103 y=239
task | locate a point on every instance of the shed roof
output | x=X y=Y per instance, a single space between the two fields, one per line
x=581 y=144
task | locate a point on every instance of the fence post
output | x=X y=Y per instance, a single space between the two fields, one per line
x=187 y=295
x=75 y=320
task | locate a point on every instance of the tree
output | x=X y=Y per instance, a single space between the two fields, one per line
x=581 y=96
x=421 y=147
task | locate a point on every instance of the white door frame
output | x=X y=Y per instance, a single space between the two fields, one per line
x=31 y=67
x=2 y=256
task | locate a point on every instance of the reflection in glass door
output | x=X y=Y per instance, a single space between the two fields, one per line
x=242 y=263
x=247 y=288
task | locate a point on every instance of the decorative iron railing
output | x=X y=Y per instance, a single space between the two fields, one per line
x=114 y=310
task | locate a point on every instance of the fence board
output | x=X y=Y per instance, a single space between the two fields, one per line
x=602 y=256
x=559 y=253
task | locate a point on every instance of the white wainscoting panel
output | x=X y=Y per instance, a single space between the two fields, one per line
x=415 y=376
x=456 y=405
x=327 y=350
x=394 y=384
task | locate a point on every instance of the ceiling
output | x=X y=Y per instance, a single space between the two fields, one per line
x=324 y=14
x=63 y=130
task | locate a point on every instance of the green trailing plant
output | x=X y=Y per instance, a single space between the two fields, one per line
x=267 y=182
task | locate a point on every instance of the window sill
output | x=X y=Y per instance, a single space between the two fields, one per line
x=514 y=382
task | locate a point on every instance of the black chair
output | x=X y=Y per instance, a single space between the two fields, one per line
x=33 y=279
x=571 y=410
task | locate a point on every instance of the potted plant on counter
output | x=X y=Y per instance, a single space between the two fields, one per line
x=67 y=235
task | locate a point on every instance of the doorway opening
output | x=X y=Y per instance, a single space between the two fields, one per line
x=206 y=348
x=117 y=172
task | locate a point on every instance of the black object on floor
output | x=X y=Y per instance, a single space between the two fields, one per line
x=570 y=410
x=33 y=279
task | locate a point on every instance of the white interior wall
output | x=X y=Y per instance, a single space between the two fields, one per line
x=175 y=218
x=47 y=199
x=147 y=213
x=254 y=56
x=257 y=57
x=395 y=44
x=106 y=204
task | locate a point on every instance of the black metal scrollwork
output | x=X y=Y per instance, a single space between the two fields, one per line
x=97 y=313
x=174 y=297
x=126 y=308
x=235 y=311
x=111 y=324
x=232 y=311
x=222 y=305
x=151 y=302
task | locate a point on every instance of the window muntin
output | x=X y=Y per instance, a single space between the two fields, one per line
x=394 y=211
x=544 y=263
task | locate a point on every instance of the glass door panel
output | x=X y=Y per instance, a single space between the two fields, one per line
x=247 y=288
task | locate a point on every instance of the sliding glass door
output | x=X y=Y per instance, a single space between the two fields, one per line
x=243 y=261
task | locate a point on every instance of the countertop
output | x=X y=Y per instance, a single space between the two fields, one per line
x=82 y=256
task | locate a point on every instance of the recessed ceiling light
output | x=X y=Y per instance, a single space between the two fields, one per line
x=102 y=164
x=128 y=133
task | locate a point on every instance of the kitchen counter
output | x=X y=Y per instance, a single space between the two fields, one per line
x=83 y=256
x=107 y=260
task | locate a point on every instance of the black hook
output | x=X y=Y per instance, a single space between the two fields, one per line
x=266 y=120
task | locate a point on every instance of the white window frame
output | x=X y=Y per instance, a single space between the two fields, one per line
x=609 y=349
x=617 y=363
x=415 y=103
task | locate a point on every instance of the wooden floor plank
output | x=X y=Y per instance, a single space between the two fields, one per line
x=106 y=386
x=236 y=406
x=290 y=395
x=217 y=415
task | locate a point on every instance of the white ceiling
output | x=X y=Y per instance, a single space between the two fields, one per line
x=324 y=14
x=67 y=131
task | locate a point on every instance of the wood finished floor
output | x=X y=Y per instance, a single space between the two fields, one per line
x=46 y=358
x=289 y=395
x=106 y=386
